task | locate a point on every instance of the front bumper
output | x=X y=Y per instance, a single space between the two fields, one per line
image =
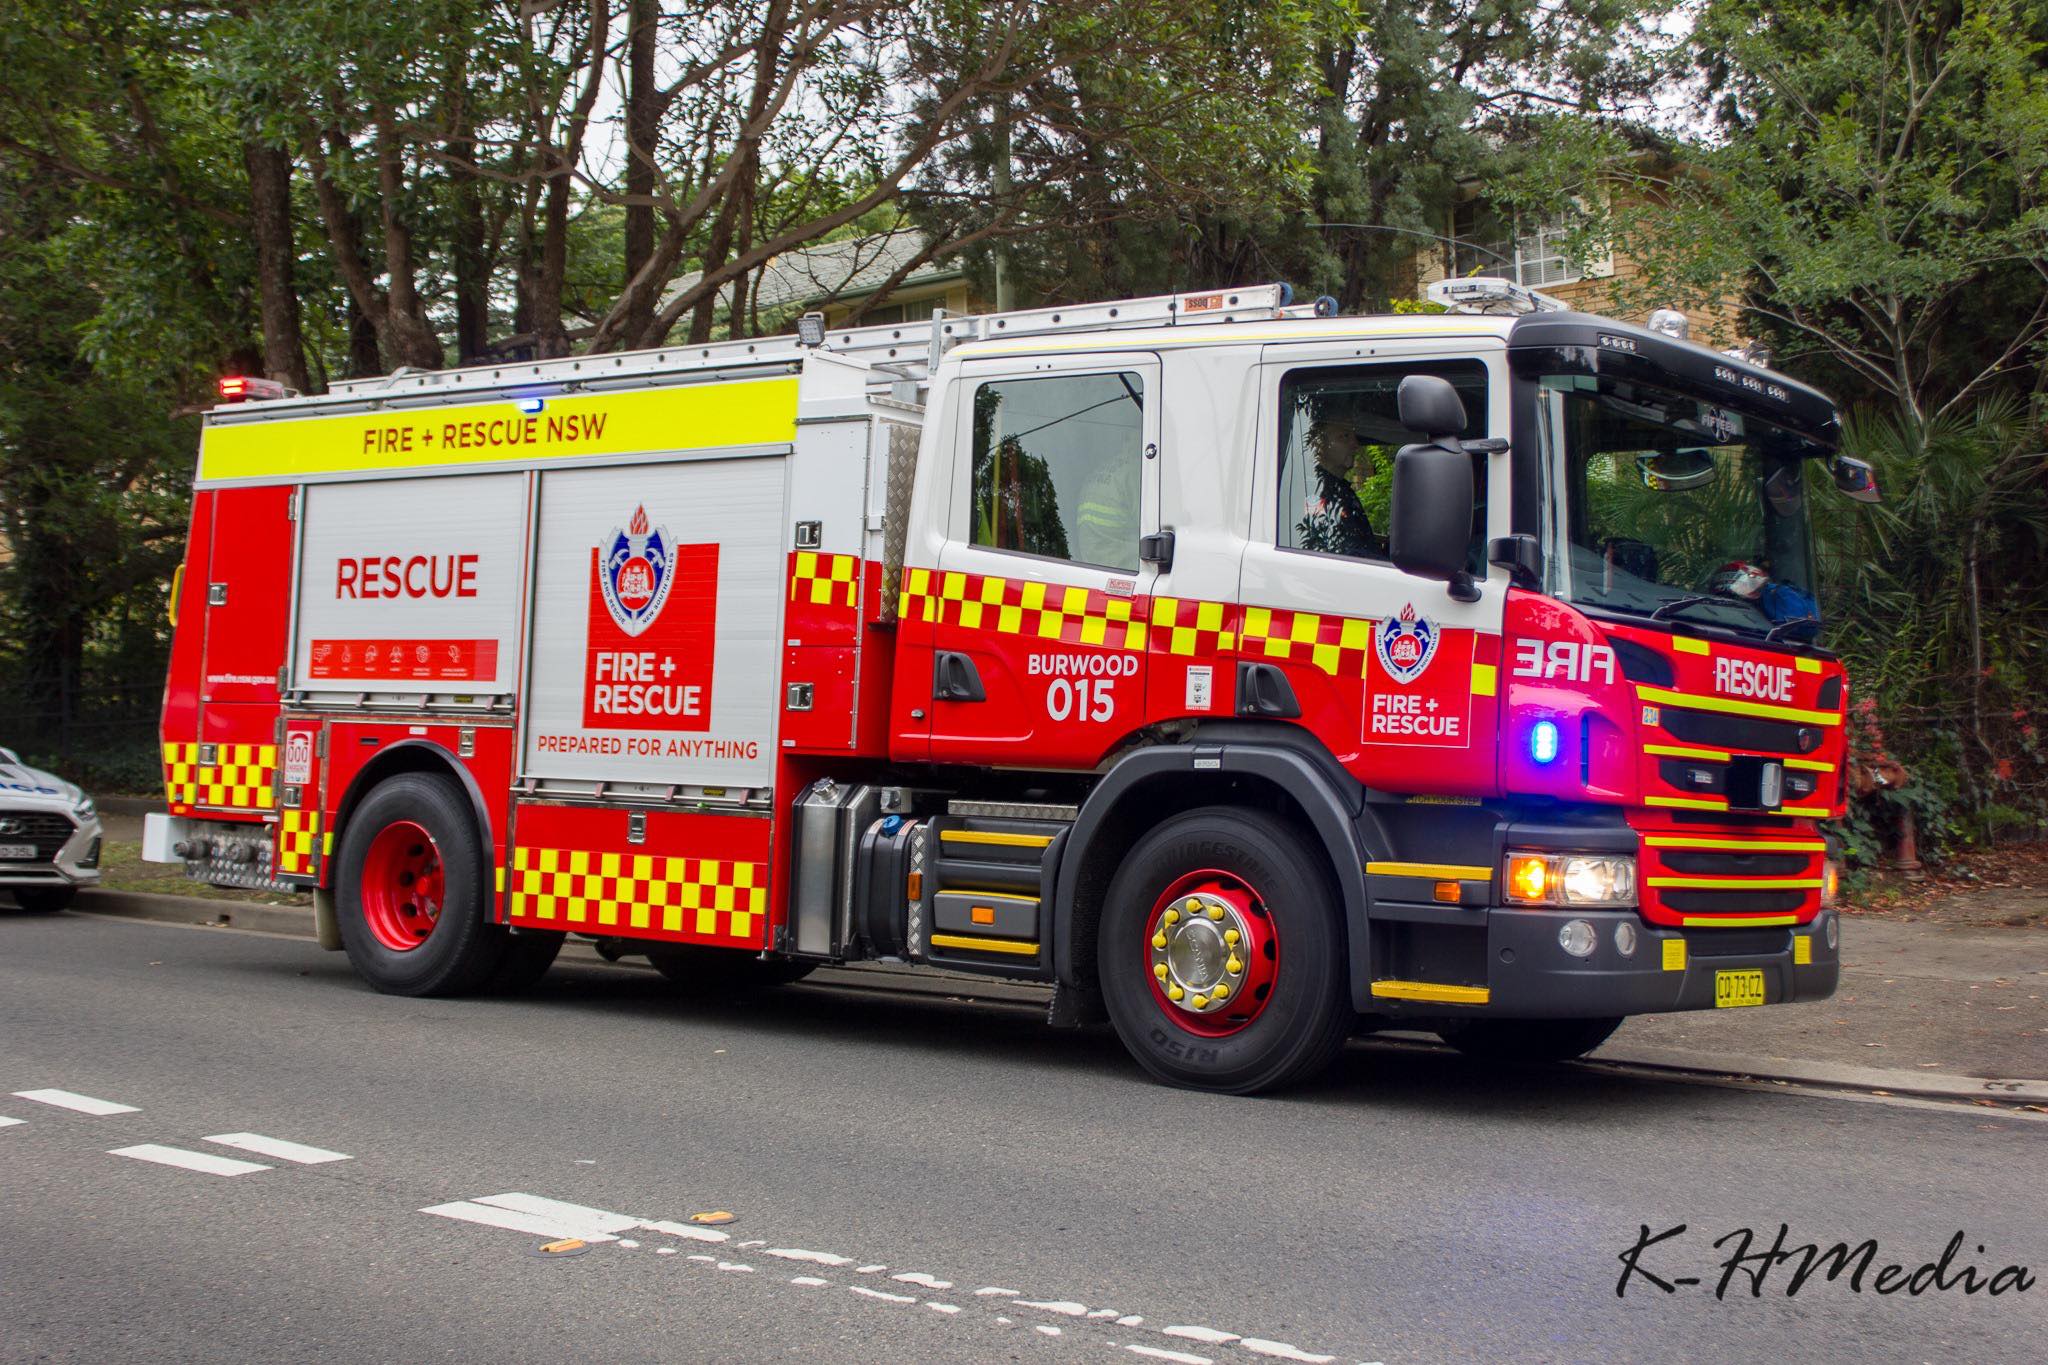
x=76 y=863
x=1531 y=977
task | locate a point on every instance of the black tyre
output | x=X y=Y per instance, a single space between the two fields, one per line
x=410 y=891
x=1221 y=954
x=1526 y=1040
x=528 y=955
x=44 y=900
x=700 y=969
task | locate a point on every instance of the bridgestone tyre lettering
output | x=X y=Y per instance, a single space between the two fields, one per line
x=43 y=900
x=698 y=968
x=463 y=952
x=1526 y=1040
x=1307 y=1016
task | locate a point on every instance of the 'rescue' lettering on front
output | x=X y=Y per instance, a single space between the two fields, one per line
x=1748 y=678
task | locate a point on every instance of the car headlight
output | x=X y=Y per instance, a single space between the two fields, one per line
x=85 y=809
x=1596 y=879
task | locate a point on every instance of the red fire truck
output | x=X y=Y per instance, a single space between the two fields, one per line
x=1248 y=674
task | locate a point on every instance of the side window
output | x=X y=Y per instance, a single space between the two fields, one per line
x=1339 y=429
x=1058 y=463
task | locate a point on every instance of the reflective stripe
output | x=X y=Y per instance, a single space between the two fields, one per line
x=1738 y=883
x=1692 y=702
x=1432 y=991
x=983 y=945
x=1433 y=871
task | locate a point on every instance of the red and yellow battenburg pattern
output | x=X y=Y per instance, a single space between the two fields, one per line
x=298 y=835
x=1070 y=615
x=824 y=580
x=704 y=900
x=239 y=778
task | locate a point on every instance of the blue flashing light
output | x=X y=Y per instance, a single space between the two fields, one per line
x=531 y=406
x=1543 y=741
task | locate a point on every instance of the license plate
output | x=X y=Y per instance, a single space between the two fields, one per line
x=17 y=851
x=1732 y=990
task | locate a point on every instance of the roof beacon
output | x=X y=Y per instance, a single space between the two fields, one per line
x=235 y=388
x=1672 y=323
x=1489 y=295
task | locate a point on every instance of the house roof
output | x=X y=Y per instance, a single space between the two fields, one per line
x=838 y=270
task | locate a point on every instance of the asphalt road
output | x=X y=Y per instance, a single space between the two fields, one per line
x=958 y=1156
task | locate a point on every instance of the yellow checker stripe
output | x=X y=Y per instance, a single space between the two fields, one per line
x=298 y=835
x=1686 y=644
x=824 y=580
x=1432 y=991
x=1694 y=702
x=1485 y=680
x=239 y=778
x=750 y=412
x=576 y=888
x=1068 y=613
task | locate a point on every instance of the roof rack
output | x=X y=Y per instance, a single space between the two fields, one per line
x=908 y=350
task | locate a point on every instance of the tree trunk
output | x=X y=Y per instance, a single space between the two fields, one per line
x=364 y=357
x=643 y=126
x=270 y=224
x=467 y=255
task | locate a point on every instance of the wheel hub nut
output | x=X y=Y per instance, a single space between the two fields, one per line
x=1197 y=954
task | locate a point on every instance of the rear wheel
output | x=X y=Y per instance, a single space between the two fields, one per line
x=1221 y=953
x=43 y=900
x=411 y=891
x=1526 y=1040
x=699 y=968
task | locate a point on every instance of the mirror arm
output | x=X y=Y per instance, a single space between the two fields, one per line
x=1520 y=556
x=1462 y=587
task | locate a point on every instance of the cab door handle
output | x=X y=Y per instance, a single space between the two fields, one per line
x=955 y=678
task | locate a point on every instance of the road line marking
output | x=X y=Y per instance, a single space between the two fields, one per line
x=1044 y=1328
x=731 y=1265
x=1178 y=1357
x=689 y=1230
x=882 y=1294
x=6 y=1122
x=279 y=1148
x=807 y=1280
x=816 y=1257
x=468 y=1212
x=946 y=1308
x=579 y=1216
x=1067 y=1307
x=1208 y=1336
x=1280 y=1350
x=1129 y=1320
x=1004 y=1293
x=918 y=1277
x=204 y=1162
x=84 y=1104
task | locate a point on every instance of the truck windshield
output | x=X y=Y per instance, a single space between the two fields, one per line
x=1676 y=508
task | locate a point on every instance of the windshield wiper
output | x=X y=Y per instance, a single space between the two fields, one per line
x=1784 y=628
x=1678 y=604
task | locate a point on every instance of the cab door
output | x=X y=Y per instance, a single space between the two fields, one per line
x=1038 y=632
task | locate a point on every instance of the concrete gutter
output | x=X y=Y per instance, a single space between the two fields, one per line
x=297 y=922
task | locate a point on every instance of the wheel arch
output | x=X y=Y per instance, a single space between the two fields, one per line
x=1261 y=766
x=420 y=756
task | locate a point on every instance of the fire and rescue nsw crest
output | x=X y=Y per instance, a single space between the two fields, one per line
x=636 y=573
x=1405 y=644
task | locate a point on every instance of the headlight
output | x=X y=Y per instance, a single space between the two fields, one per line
x=1598 y=879
x=85 y=809
x=1830 y=882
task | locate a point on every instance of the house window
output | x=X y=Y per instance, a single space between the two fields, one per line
x=1490 y=243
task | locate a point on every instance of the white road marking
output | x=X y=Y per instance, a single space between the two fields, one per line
x=882 y=1294
x=84 y=1104
x=1280 y=1350
x=946 y=1308
x=278 y=1147
x=707 y=1260
x=1208 y=1336
x=1067 y=1307
x=6 y=1122
x=733 y=1265
x=807 y=1280
x=918 y=1277
x=992 y=1290
x=1045 y=1328
x=579 y=1217
x=871 y=1269
x=664 y=1251
x=1103 y=1313
x=206 y=1163
x=688 y=1230
x=1178 y=1357
x=469 y=1212
x=816 y=1257
x=1129 y=1320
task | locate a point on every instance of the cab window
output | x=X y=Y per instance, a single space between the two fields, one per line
x=1058 y=463
x=1339 y=429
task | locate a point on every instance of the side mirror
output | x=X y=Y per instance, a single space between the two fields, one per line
x=1854 y=477
x=1431 y=407
x=1430 y=518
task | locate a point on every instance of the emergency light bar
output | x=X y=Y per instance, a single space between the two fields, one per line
x=1489 y=294
x=235 y=388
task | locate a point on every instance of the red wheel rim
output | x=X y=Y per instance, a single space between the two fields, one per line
x=1211 y=953
x=404 y=886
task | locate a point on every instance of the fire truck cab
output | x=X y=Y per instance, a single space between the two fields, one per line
x=1241 y=671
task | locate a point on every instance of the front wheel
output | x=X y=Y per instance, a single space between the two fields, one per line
x=410 y=890
x=1221 y=953
x=1526 y=1040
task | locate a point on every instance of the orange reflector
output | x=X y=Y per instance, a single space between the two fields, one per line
x=1528 y=877
x=1450 y=893
x=982 y=914
x=913 y=886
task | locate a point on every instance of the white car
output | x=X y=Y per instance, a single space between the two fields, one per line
x=49 y=836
